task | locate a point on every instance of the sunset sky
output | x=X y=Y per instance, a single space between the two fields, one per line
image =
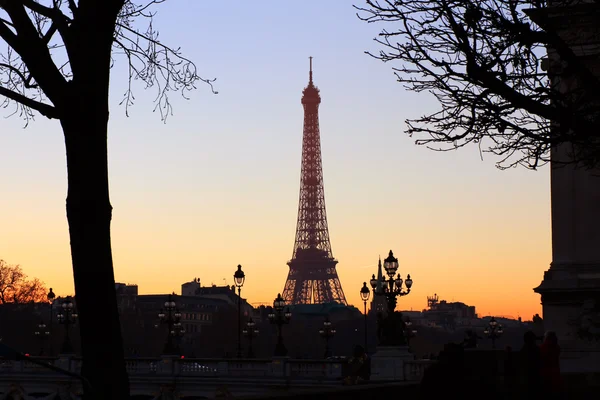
x=217 y=185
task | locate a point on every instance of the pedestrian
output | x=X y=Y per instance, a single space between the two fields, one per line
x=550 y=366
x=531 y=366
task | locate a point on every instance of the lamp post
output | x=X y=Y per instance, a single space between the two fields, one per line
x=493 y=331
x=379 y=315
x=67 y=316
x=177 y=333
x=280 y=317
x=365 y=293
x=170 y=316
x=250 y=332
x=327 y=332
x=392 y=326
x=239 y=277
x=51 y=296
x=43 y=334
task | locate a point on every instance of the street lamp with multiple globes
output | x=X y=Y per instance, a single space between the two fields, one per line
x=67 y=316
x=392 y=329
x=365 y=293
x=327 y=332
x=280 y=317
x=171 y=317
x=239 y=277
x=43 y=334
x=250 y=332
x=493 y=331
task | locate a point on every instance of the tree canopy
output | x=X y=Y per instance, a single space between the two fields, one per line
x=41 y=54
x=15 y=287
x=502 y=82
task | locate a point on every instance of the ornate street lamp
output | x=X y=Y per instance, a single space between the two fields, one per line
x=171 y=317
x=280 y=317
x=51 y=296
x=365 y=293
x=250 y=332
x=392 y=327
x=42 y=334
x=239 y=277
x=493 y=331
x=327 y=332
x=177 y=333
x=67 y=317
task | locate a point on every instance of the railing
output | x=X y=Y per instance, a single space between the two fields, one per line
x=414 y=370
x=279 y=368
x=24 y=366
x=329 y=369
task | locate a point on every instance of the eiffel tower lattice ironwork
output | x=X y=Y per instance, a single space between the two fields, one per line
x=312 y=277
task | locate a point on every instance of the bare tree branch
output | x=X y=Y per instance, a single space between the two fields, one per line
x=7 y=34
x=38 y=8
x=151 y=61
x=482 y=60
x=35 y=53
x=26 y=80
x=45 y=109
x=32 y=22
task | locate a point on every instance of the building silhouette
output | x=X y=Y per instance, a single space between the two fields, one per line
x=312 y=276
x=208 y=315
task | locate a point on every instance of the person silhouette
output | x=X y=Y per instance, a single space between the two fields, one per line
x=446 y=378
x=531 y=365
x=509 y=369
x=550 y=366
x=360 y=366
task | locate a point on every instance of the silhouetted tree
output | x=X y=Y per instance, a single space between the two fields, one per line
x=57 y=63
x=16 y=288
x=485 y=62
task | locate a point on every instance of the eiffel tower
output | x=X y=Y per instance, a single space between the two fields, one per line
x=312 y=278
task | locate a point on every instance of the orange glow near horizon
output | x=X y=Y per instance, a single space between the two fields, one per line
x=496 y=282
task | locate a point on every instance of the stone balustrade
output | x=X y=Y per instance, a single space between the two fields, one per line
x=414 y=370
x=210 y=367
x=188 y=376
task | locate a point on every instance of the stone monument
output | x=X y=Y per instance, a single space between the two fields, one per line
x=570 y=289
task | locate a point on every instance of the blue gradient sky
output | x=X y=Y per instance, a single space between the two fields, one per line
x=217 y=185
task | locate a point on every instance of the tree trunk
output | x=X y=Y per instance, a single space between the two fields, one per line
x=89 y=215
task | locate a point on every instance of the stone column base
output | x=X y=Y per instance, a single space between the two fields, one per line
x=571 y=308
x=388 y=363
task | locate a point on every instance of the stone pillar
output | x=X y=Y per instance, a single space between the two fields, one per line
x=570 y=289
x=387 y=364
